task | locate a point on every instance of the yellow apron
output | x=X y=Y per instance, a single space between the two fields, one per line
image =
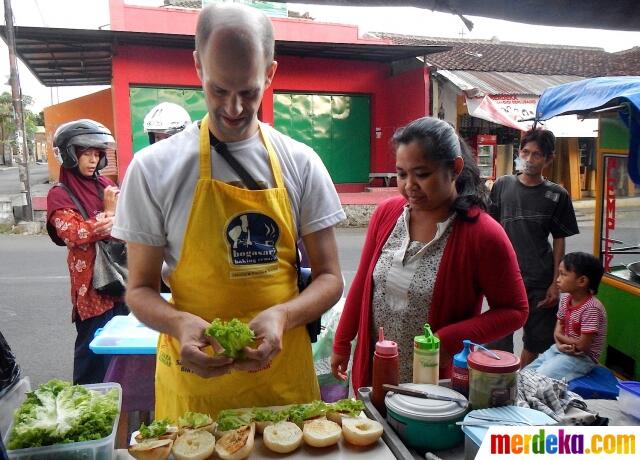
x=237 y=259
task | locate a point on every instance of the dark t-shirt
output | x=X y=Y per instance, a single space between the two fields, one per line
x=529 y=215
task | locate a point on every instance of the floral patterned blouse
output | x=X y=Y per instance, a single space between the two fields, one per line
x=403 y=281
x=79 y=236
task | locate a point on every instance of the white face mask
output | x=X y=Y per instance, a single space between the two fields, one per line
x=520 y=164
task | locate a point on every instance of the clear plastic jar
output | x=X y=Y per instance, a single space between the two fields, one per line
x=493 y=378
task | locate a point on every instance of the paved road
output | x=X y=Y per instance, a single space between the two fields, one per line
x=10 y=178
x=35 y=313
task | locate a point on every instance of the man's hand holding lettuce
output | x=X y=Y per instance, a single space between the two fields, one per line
x=232 y=336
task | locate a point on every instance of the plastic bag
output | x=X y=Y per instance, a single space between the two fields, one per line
x=331 y=389
x=9 y=368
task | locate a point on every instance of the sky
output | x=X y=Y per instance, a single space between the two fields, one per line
x=92 y=14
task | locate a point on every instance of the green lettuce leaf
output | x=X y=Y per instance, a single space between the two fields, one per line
x=232 y=420
x=194 y=420
x=260 y=414
x=301 y=412
x=156 y=429
x=353 y=407
x=232 y=335
x=59 y=412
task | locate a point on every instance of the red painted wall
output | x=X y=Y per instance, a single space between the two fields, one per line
x=408 y=100
x=183 y=22
x=395 y=100
x=145 y=65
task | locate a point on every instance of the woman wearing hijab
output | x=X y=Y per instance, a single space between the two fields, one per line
x=81 y=147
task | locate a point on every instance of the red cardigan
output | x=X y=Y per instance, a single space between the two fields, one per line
x=478 y=261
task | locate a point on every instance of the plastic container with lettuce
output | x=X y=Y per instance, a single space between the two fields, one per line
x=232 y=336
x=58 y=412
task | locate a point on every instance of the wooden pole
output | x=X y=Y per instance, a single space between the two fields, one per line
x=18 y=115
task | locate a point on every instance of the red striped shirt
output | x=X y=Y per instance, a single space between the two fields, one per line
x=590 y=317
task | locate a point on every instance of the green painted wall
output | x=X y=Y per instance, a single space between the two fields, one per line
x=143 y=99
x=614 y=134
x=623 y=317
x=336 y=126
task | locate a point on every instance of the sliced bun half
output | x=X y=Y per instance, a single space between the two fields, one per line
x=321 y=433
x=361 y=431
x=336 y=416
x=152 y=449
x=194 y=445
x=282 y=437
x=236 y=444
x=210 y=427
x=261 y=425
x=171 y=433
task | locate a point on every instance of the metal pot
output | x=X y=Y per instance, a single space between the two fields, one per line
x=634 y=268
x=426 y=424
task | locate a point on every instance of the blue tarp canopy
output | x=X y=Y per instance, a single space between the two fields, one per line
x=597 y=93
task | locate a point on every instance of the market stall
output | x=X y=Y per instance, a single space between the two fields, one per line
x=615 y=102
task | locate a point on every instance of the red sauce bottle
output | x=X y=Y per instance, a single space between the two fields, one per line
x=385 y=370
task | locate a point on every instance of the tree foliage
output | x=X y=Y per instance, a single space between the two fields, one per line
x=7 y=123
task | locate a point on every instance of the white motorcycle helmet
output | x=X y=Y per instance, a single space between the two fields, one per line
x=165 y=119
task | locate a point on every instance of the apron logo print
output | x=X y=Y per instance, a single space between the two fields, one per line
x=252 y=239
x=183 y=368
x=165 y=359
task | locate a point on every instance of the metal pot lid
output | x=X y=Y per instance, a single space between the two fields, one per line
x=429 y=410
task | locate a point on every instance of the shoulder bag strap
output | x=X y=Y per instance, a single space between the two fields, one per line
x=246 y=178
x=74 y=199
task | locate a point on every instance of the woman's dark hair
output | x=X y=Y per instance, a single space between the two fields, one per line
x=440 y=144
x=543 y=137
x=583 y=264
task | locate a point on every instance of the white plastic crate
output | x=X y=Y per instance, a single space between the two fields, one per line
x=100 y=449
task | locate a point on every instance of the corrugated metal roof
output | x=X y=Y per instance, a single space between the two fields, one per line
x=73 y=57
x=476 y=83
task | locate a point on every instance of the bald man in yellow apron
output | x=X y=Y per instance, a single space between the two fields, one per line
x=237 y=257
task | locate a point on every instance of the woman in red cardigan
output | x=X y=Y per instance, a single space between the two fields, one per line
x=430 y=255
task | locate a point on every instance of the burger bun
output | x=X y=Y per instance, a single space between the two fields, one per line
x=321 y=433
x=171 y=433
x=236 y=444
x=361 y=431
x=151 y=449
x=282 y=437
x=194 y=445
x=261 y=425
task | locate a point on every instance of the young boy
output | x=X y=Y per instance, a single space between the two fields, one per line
x=581 y=327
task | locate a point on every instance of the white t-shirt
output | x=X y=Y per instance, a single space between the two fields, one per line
x=157 y=192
